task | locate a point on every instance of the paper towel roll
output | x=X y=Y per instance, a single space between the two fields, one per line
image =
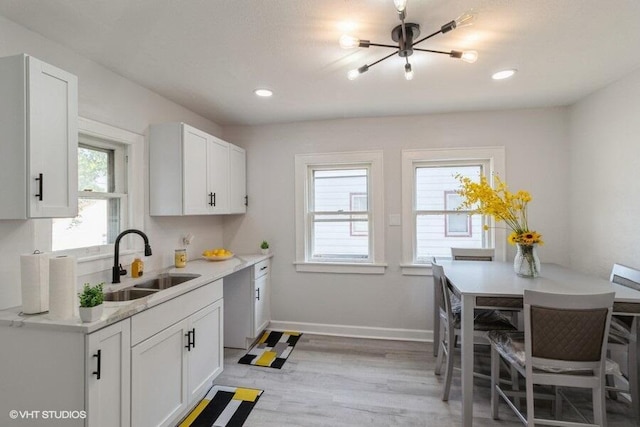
x=34 y=276
x=62 y=287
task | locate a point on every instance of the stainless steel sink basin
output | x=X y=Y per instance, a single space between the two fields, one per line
x=127 y=294
x=165 y=281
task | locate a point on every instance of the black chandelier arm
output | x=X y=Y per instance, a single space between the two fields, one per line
x=383 y=45
x=427 y=37
x=381 y=59
x=432 y=51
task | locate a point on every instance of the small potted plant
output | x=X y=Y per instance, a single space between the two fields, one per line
x=91 y=299
x=264 y=246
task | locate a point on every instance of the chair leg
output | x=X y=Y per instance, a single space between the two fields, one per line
x=436 y=331
x=439 y=358
x=495 y=380
x=530 y=402
x=599 y=414
x=450 y=350
x=633 y=367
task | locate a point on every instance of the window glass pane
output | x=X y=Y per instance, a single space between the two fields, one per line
x=336 y=239
x=97 y=224
x=433 y=238
x=432 y=183
x=333 y=189
x=95 y=168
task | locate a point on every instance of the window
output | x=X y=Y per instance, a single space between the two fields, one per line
x=339 y=213
x=102 y=197
x=432 y=223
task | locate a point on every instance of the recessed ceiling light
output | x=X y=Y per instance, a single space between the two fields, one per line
x=504 y=74
x=265 y=93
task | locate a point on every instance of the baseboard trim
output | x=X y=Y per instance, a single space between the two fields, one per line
x=421 y=335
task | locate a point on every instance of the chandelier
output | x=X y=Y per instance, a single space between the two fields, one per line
x=405 y=35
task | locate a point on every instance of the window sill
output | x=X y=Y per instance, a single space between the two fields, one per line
x=415 y=269
x=344 y=268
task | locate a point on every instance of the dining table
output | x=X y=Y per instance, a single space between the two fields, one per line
x=479 y=282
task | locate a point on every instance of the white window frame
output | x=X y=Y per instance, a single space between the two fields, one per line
x=99 y=258
x=304 y=163
x=411 y=159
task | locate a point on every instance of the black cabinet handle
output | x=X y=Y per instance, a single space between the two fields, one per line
x=194 y=337
x=99 y=368
x=188 y=335
x=214 y=199
x=263 y=268
x=211 y=199
x=258 y=294
x=40 y=180
x=246 y=201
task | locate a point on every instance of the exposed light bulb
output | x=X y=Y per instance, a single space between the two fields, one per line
x=466 y=19
x=353 y=74
x=504 y=74
x=469 y=56
x=401 y=5
x=408 y=71
x=349 y=42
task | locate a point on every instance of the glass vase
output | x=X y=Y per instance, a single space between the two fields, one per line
x=526 y=262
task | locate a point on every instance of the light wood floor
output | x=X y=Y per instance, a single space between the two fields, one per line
x=335 y=381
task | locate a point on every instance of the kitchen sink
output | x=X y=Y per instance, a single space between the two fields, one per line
x=127 y=294
x=165 y=281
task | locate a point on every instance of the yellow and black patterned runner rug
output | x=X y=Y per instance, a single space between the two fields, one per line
x=272 y=349
x=223 y=407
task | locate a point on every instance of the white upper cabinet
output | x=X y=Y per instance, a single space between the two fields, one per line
x=238 y=199
x=39 y=140
x=192 y=172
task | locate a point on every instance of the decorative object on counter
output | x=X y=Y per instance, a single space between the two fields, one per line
x=272 y=349
x=511 y=208
x=223 y=406
x=117 y=269
x=137 y=268
x=62 y=287
x=218 y=254
x=264 y=247
x=91 y=299
x=34 y=277
x=180 y=258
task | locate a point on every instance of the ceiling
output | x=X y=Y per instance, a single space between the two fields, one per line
x=209 y=55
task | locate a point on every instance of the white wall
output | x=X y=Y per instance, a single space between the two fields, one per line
x=605 y=178
x=536 y=144
x=109 y=98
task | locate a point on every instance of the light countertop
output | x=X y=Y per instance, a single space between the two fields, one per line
x=115 y=311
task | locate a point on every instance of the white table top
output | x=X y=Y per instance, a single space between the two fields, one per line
x=495 y=279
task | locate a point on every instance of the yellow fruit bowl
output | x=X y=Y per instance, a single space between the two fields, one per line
x=217 y=255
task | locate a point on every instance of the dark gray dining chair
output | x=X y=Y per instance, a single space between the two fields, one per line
x=564 y=344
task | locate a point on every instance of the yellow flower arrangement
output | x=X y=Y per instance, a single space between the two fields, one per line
x=502 y=205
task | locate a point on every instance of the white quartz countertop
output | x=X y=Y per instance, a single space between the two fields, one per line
x=209 y=271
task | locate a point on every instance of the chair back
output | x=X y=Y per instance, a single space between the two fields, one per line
x=567 y=331
x=441 y=287
x=625 y=276
x=473 y=254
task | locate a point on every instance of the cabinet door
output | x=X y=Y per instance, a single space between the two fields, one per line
x=53 y=141
x=108 y=376
x=206 y=354
x=262 y=303
x=218 y=175
x=158 y=377
x=196 y=197
x=237 y=180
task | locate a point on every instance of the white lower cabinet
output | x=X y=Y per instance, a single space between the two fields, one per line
x=81 y=379
x=108 y=376
x=174 y=367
